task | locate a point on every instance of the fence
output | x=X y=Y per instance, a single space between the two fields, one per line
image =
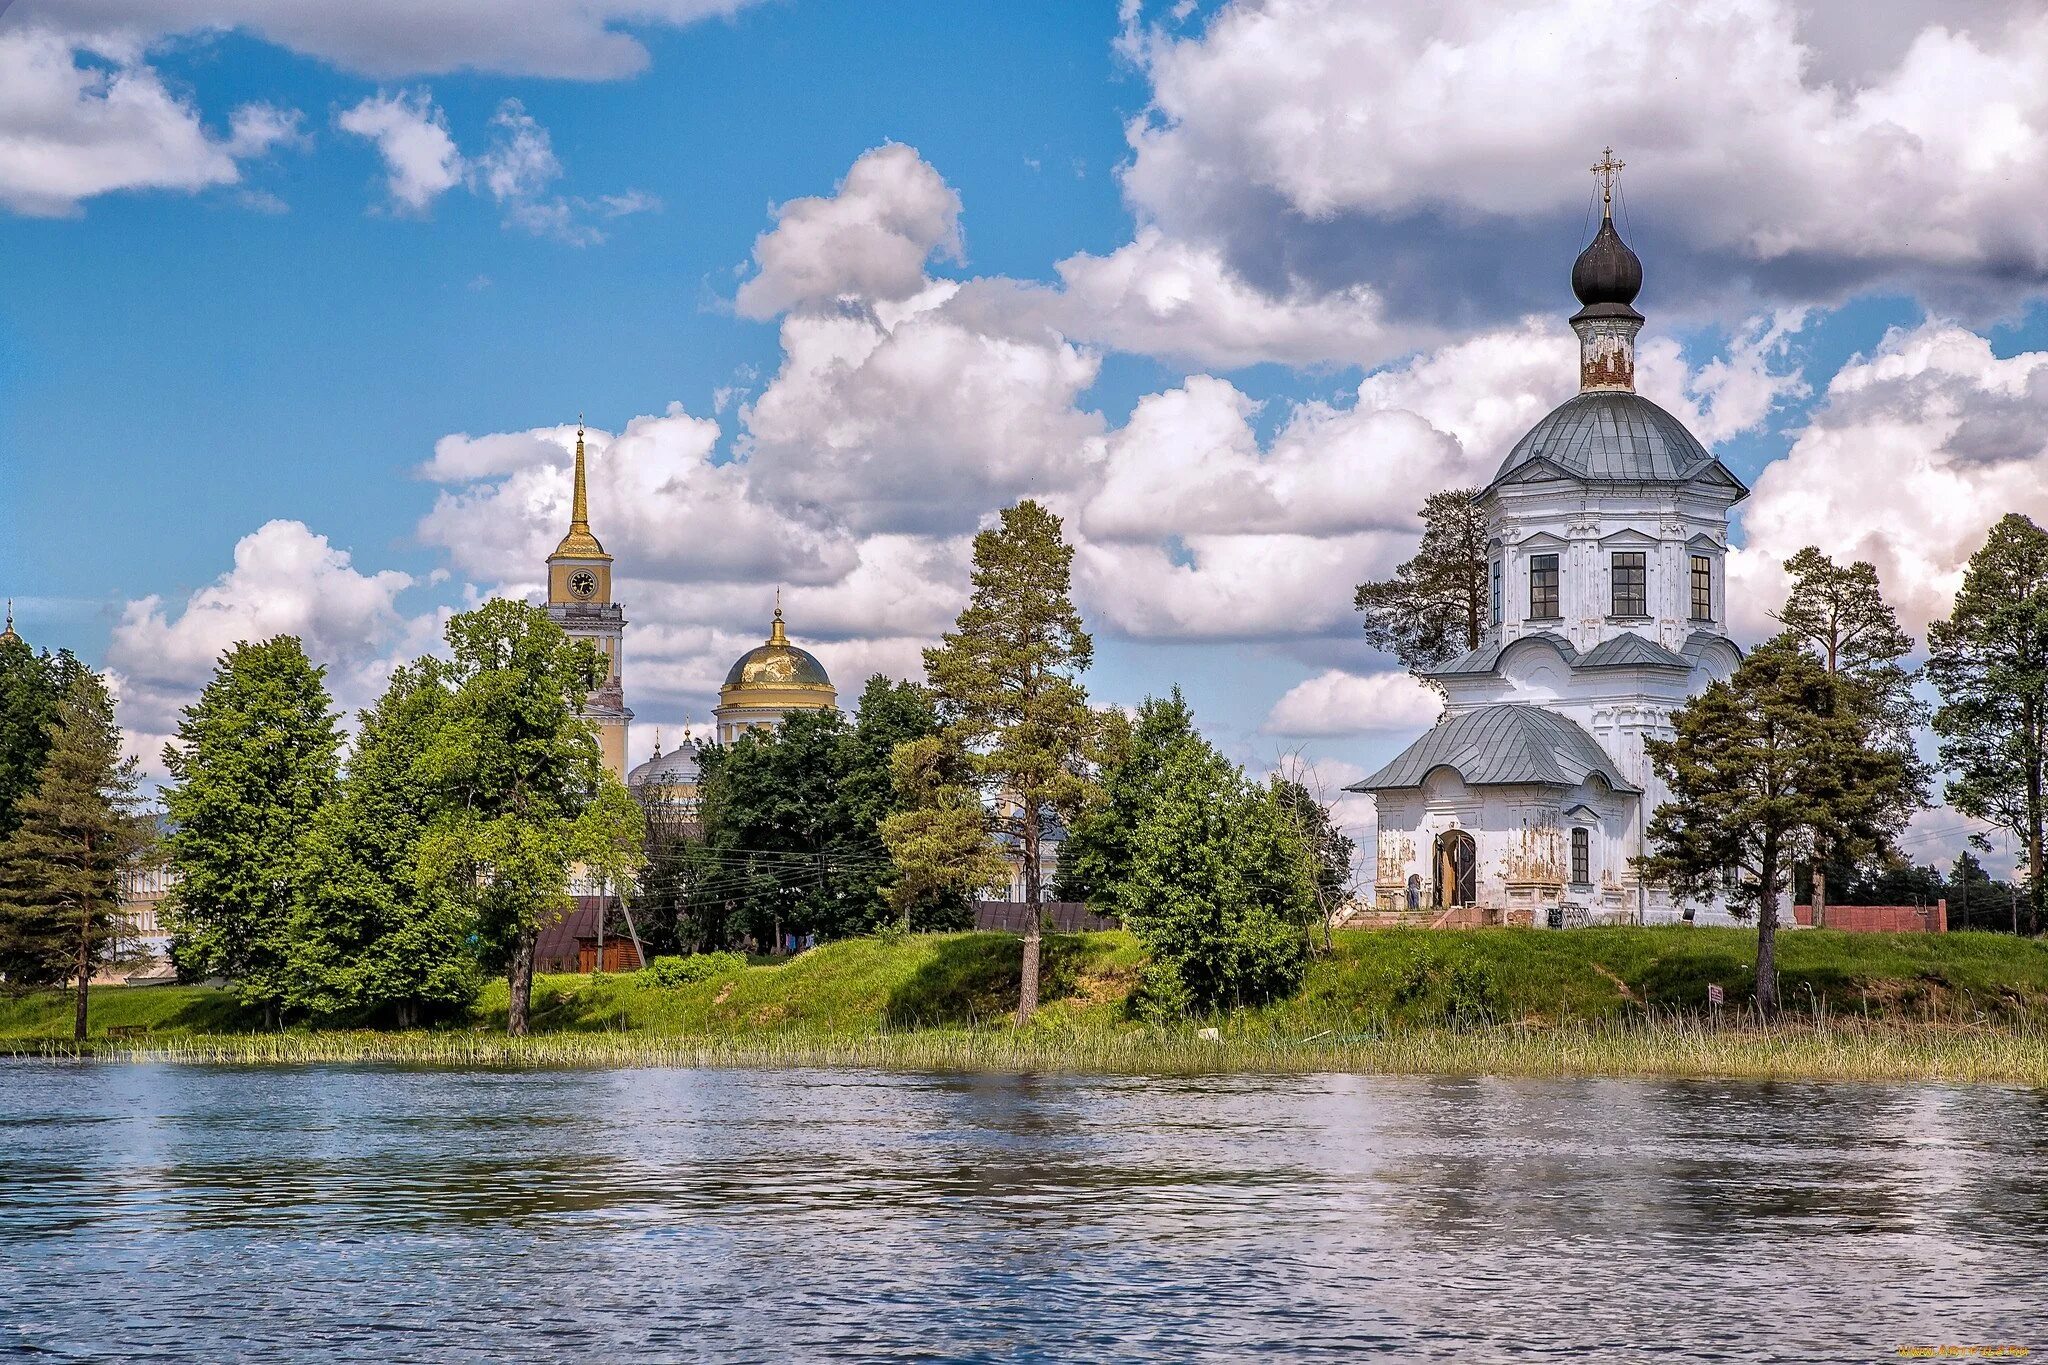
x=1060 y=917
x=1880 y=919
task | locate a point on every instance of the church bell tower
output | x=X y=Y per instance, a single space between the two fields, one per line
x=580 y=602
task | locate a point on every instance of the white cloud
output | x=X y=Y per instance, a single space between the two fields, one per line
x=576 y=39
x=1335 y=703
x=521 y=163
x=1914 y=451
x=870 y=238
x=286 y=580
x=421 y=160
x=76 y=125
x=1287 y=131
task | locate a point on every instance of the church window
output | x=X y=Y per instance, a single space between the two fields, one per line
x=1582 y=856
x=1702 y=588
x=1631 y=595
x=1496 y=592
x=1543 y=600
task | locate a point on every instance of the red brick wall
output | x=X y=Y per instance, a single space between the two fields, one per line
x=1882 y=919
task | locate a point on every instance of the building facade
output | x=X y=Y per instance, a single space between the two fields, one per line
x=1607 y=530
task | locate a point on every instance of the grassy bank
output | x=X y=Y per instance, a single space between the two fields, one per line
x=1511 y=1002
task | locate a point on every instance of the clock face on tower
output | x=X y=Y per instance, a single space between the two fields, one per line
x=583 y=584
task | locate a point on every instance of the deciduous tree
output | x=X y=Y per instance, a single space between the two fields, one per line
x=524 y=793
x=1130 y=754
x=1007 y=682
x=1989 y=661
x=60 y=869
x=1218 y=890
x=1435 y=607
x=254 y=760
x=1759 y=768
x=372 y=932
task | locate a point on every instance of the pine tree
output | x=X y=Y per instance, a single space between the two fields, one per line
x=523 y=793
x=372 y=933
x=1435 y=607
x=1759 y=768
x=1007 y=680
x=1838 y=613
x=255 y=759
x=1989 y=661
x=60 y=870
x=31 y=687
x=940 y=852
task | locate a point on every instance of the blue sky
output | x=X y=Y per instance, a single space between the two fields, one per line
x=1232 y=286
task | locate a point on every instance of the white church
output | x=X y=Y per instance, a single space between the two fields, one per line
x=1607 y=538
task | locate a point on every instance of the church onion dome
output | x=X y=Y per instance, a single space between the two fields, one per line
x=1611 y=436
x=7 y=636
x=1607 y=276
x=778 y=665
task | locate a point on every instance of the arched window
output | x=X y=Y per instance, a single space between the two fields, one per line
x=1457 y=862
x=1582 y=856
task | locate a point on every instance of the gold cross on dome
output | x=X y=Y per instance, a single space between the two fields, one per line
x=1607 y=169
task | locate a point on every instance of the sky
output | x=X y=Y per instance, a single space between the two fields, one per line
x=304 y=301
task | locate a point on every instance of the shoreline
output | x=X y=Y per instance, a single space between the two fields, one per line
x=1674 y=1049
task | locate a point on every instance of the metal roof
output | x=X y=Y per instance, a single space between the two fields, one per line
x=1507 y=744
x=1616 y=437
x=1486 y=658
x=1628 y=650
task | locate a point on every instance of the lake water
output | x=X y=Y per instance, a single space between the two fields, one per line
x=184 y=1212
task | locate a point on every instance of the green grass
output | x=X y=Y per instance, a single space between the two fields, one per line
x=1606 y=1001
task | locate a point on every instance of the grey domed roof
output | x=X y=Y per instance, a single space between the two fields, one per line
x=1612 y=436
x=676 y=768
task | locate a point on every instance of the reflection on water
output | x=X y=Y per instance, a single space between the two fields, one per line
x=180 y=1212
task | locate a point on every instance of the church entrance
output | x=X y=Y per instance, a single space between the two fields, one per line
x=1457 y=860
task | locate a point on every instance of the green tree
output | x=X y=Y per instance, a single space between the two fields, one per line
x=524 y=794
x=1435 y=607
x=1007 y=682
x=254 y=761
x=372 y=932
x=60 y=869
x=1131 y=754
x=31 y=687
x=773 y=829
x=1989 y=661
x=1219 y=890
x=939 y=847
x=1326 y=850
x=1838 y=613
x=892 y=714
x=1759 y=768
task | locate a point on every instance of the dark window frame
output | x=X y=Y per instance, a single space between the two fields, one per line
x=1546 y=588
x=1498 y=576
x=1582 y=856
x=1702 y=588
x=1628 y=594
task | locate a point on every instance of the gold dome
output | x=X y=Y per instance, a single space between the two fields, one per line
x=780 y=665
x=7 y=636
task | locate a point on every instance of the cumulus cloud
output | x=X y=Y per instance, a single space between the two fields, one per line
x=74 y=125
x=575 y=39
x=870 y=238
x=1912 y=453
x=1335 y=703
x=421 y=160
x=1285 y=133
x=287 y=580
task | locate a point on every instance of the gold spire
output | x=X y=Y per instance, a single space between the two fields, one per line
x=7 y=636
x=1606 y=171
x=776 y=634
x=579 y=543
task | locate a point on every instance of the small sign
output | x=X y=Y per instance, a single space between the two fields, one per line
x=1715 y=996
